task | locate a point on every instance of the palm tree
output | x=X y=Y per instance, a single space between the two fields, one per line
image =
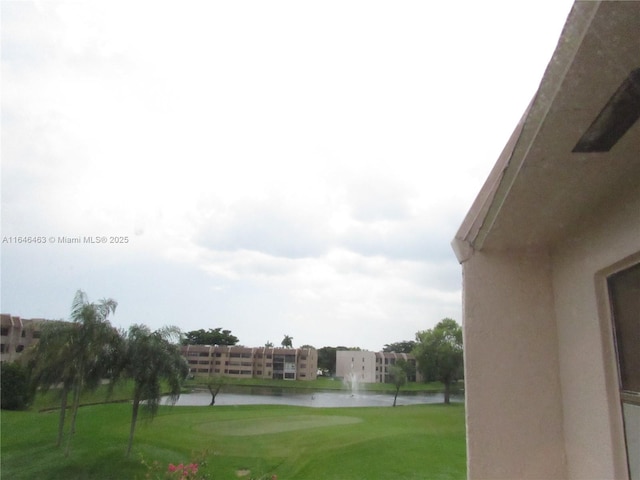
x=50 y=364
x=76 y=355
x=149 y=358
x=92 y=344
x=287 y=341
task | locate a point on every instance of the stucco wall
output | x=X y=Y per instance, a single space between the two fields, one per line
x=514 y=407
x=362 y=364
x=604 y=243
x=541 y=374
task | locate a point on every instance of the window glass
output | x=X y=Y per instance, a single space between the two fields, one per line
x=625 y=299
x=624 y=291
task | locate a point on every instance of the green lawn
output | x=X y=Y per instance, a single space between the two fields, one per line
x=410 y=442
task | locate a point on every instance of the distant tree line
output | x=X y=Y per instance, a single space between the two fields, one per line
x=218 y=336
x=213 y=336
x=327 y=359
x=400 y=347
x=78 y=356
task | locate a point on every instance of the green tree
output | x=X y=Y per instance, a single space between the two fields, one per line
x=149 y=359
x=75 y=355
x=51 y=364
x=327 y=360
x=213 y=336
x=398 y=376
x=439 y=354
x=92 y=344
x=214 y=384
x=15 y=391
x=269 y=345
x=287 y=341
x=406 y=346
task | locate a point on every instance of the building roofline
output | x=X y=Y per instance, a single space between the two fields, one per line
x=486 y=208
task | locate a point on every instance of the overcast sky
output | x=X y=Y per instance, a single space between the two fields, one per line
x=277 y=167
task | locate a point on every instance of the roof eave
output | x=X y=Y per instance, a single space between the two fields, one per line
x=479 y=221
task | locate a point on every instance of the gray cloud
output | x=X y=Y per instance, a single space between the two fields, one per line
x=407 y=240
x=375 y=197
x=270 y=227
x=22 y=36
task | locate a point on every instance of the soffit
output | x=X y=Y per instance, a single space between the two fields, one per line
x=540 y=189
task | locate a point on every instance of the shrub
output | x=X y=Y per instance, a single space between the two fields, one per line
x=15 y=393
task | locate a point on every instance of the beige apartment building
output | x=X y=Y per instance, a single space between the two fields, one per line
x=245 y=362
x=370 y=367
x=550 y=253
x=16 y=335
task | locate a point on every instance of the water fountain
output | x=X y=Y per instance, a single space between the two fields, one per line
x=351 y=381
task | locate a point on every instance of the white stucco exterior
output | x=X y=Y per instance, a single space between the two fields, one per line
x=607 y=242
x=548 y=228
x=362 y=366
x=356 y=365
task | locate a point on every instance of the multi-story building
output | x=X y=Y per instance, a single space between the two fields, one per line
x=16 y=335
x=246 y=362
x=370 y=367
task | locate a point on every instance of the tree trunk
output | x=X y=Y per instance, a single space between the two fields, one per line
x=447 y=392
x=213 y=392
x=63 y=412
x=74 y=414
x=213 y=395
x=395 y=398
x=134 y=419
x=74 y=408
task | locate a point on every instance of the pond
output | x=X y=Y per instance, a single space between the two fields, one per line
x=305 y=398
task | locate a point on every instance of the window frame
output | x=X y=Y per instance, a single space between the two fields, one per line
x=612 y=385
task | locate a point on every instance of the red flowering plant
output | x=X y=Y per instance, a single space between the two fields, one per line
x=182 y=471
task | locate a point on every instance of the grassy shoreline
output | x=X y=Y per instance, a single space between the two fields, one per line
x=123 y=391
x=319 y=384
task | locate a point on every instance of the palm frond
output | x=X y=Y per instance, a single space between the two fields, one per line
x=170 y=333
x=80 y=300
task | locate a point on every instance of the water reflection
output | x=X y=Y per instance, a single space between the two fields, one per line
x=304 y=398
